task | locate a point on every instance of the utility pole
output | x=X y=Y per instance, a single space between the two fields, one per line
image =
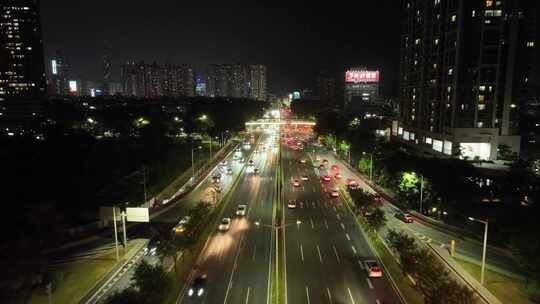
x=123 y=215
x=115 y=234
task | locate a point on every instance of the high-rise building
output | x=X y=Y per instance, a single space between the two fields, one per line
x=22 y=69
x=211 y=80
x=465 y=65
x=361 y=89
x=326 y=85
x=59 y=71
x=200 y=86
x=106 y=67
x=153 y=80
x=257 y=81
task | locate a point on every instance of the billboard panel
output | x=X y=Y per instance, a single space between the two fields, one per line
x=54 y=67
x=140 y=215
x=361 y=76
x=73 y=86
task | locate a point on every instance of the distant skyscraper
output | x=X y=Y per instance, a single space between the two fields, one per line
x=106 y=67
x=22 y=71
x=211 y=80
x=59 y=75
x=465 y=66
x=200 y=86
x=327 y=87
x=258 y=81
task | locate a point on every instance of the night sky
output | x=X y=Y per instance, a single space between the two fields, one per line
x=294 y=40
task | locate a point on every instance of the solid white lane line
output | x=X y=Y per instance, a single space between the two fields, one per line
x=302 y=252
x=347 y=236
x=307 y=295
x=325 y=223
x=361 y=265
x=312 y=225
x=350 y=295
x=247 y=296
x=319 y=251
x=337 y=256
x=254 y=251
x=370 y=285
x=314 y=205
x=354 y=250
x=342 y=226
x=338 y=217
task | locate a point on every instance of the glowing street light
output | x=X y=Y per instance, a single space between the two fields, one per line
x=485 y=222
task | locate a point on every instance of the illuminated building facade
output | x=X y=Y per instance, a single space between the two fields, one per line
x=21 y=50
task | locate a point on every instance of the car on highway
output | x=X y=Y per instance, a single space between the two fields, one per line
x=326 y=178
x=296 y=183
x=250 y=162
x=198 y=286
x=224 y=163
x=353 y=186
x=321 y=166
x=338 y=175
x=317 y=158
x=377 y=198
x=325 y=162
x=303 y=161
x=291 y=204
x=181 y=226
x=335 y=167
x=225 y=224
x=241 y=210
x=229 y=171
x=304 y=178
x=151 y=247
x=334 y=193
x=373 y=269
x=241 y=160
x=256 y=171
x=404 y=216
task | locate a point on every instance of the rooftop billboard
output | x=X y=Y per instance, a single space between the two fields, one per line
x=361 y=76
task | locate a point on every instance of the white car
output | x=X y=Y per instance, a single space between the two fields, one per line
x=229 y=171
x=296 y=183
x=334 y=193
x=291 y=204
x=373 y=269
x=304 y=178
x=224 y=163
x=302 y=161
x=241 y=210
x=225 y=224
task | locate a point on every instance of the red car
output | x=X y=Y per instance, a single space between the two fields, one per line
x=335 y=167
x=327 y=178
x=321 y=166
x=338 y=175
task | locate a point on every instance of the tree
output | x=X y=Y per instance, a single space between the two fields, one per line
x=151 y=282
x=376 y=219
x=127 y=296
x=175 y=246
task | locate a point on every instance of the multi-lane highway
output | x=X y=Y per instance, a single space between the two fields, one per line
x=324 y=253
x=237 y=262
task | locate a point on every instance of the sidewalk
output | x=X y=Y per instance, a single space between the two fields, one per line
x=485 y=295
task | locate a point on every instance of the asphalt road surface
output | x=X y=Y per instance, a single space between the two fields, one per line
x=324 y=252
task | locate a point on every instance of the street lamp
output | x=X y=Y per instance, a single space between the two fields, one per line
x=370 y=165
x=193 y=164
x=485 y=222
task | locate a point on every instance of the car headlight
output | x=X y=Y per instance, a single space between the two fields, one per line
x=200 y=292
x=190 y=292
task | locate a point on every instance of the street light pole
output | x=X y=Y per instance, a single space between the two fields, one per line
x=144 y=185
x=192 y=168
x=486 y=224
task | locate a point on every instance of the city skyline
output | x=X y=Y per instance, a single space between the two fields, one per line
x=295 y=42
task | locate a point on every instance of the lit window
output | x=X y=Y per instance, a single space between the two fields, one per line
x=481 y=107
x=417 y=41
x=489 y=3
x=450 y=71
x=530 y=44
x=513 y=106
x=474 y=13
x=480 y=124
x=453 y=18
x=481 y=98
x=482 y=88
x=436 y=41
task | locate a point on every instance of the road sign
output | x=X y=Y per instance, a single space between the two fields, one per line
x=140 y=215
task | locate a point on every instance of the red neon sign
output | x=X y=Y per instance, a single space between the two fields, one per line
x=362 y=76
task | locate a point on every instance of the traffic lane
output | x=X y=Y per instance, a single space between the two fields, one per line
x=219 y=258
x=469 y=248
x=323 y=277
x=250 y=282
x=348 y=240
